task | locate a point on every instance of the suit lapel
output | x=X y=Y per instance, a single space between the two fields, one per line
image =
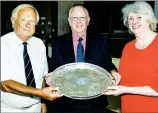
x=90 y=45
x=68 y=51
x=68 y=45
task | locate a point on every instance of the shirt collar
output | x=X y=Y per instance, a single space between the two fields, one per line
x=74 y=35
x=17 y=41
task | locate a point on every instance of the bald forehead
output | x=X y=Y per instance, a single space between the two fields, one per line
x=27 y=12
x=78 y=9
x=27 y=9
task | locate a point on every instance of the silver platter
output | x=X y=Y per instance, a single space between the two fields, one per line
x=81 y=80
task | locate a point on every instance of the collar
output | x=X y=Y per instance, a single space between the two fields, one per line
x=16 y=41
x=76 y=37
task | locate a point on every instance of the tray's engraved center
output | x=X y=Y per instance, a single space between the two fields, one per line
x=82 y=81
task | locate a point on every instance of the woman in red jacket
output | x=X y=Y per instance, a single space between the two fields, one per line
x=139 y=62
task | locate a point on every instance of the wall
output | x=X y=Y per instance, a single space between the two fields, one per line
x=63 y=12
x=62 y=24
x=156 y=9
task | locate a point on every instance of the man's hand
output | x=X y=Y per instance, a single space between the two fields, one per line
x=47 y=78
x=43 y=108
x=50 y=93
x=116 y=76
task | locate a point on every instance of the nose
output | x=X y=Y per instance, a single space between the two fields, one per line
x=28 y=24
x=78 y=20
x=134 y=21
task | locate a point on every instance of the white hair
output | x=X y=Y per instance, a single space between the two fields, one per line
x=78 y=6
x=140 y=8
x=19 y=7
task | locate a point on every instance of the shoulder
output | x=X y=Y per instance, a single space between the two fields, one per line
x=98 y=38
x=36 y=39
x=95 y=35
x=156 y=37
x=7 y=39
x=37 y=42
x=129 y=45
x=65 y=35
x=7 y=36
x=63 y=38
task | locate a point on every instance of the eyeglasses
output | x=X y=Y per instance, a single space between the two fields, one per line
x=80 y=18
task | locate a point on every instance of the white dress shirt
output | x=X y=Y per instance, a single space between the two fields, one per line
x=12 y=68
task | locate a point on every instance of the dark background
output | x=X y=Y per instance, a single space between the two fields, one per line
x=45 y=9
x=105 y=18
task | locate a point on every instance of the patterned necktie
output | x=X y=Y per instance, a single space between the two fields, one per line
x=80 y=51
x=28 y=67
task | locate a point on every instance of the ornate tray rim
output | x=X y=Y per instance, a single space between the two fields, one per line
x=81 y=64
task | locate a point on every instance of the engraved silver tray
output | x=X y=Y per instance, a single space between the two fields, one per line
x=81 y=80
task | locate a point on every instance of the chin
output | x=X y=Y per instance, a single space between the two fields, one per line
x=137 y=31
x=80 y=31
x=27 y=35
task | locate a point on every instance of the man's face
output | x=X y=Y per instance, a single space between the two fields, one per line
x=79 y=20
x=25 y=23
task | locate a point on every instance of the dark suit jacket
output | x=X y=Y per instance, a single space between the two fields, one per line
x=96 y=53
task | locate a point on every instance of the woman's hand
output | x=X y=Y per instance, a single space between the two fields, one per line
x=115 y=90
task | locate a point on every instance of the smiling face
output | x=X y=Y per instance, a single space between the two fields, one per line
x=137 y=23
x=25 y=23
x=79 y=20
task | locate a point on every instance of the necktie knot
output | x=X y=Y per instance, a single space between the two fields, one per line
x=80 y=39
x=24 y=44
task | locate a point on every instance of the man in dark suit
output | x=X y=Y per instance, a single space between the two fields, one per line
x=64 y=50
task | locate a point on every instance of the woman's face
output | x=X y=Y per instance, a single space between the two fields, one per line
x=137 y=23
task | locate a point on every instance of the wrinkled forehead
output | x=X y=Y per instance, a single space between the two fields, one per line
x=78 y=11
x=28 y=11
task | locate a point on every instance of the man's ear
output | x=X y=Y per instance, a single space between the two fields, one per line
x=88 y=20
x=12 y=20
x=69 y=20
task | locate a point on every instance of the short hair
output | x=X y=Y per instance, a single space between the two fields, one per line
x=78 y=5
x=140 y=8
x=19 y=7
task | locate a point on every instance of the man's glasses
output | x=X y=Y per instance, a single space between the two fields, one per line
x=76 y=18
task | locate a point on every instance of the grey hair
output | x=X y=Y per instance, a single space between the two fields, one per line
x=140 y=8
x=19 y=7
x=78 y=6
